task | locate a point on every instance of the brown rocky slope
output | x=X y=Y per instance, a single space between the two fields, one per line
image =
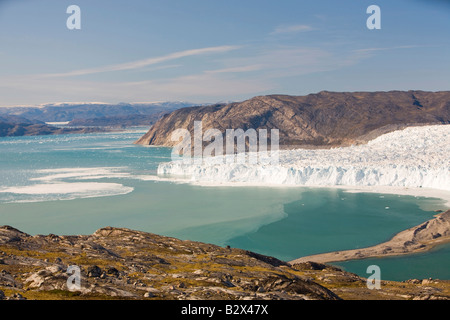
x=324 y=119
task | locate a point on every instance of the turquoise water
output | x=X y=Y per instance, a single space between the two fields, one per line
x=331 y=219
x=433 y=264
x=76 y=184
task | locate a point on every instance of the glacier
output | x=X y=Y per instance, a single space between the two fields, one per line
x=415 y=157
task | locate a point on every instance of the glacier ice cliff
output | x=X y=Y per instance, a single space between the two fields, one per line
x=414 y=157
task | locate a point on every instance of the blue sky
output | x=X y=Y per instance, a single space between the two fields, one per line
x=209 y=51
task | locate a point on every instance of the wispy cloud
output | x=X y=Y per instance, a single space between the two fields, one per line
x=260 y=71
x=360 y=54
x=291 y=29
x=284 y=61
x=246 y=75
x=195 y=87
x=370 y=50
x=239 y=69
x=143 y=63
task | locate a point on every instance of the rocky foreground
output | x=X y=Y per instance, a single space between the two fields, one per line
x=126 y=264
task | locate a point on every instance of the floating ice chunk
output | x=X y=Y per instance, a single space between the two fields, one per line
x=85 y=188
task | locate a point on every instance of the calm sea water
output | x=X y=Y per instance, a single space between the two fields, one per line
x=76 y=184
x=433 y=264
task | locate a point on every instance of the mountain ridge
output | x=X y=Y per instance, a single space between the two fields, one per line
x=63 y=112
x=324 y=119
x=82 y=117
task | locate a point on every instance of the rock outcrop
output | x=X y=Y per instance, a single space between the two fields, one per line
x=124 y=263
x=117 y=263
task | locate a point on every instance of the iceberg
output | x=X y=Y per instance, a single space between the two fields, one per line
x=416 y=157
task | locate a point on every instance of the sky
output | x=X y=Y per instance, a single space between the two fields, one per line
x=207 y=51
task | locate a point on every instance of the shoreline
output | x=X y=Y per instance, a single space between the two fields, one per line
x=418 y=239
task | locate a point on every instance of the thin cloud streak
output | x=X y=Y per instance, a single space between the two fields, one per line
x=143 y=63
x=242 y=76
x=252 y=74
x=237 y=69
x=369 y=50
x=291 y=29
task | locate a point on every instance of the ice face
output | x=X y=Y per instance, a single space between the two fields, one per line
x=413 y=157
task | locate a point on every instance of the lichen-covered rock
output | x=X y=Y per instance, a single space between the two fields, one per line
x=125 y=264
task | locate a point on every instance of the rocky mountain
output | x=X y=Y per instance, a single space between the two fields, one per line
x=126 y=264
x=324 y=119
